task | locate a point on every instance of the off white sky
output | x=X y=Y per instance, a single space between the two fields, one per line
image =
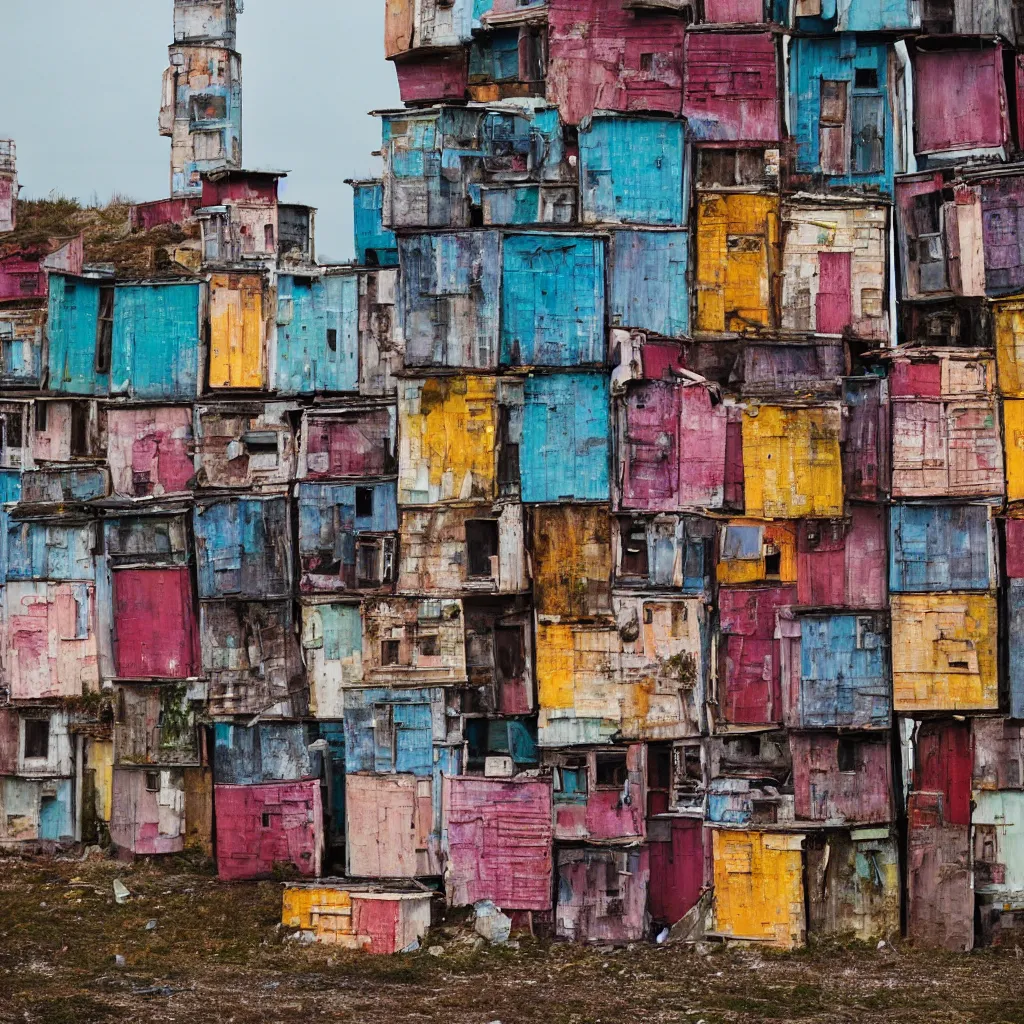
x=80 y=94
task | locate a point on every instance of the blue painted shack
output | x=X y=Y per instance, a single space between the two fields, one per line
x=819 y=17
x=552 y=300
x=36 y=550
x=156 y=342
x=648 y=285
x=243 y=548
x=449 y=299
x=80 y=335
x=266 y=752
x=844 y=672
x=317 y=334
x=134 y=340
x=841 y=113
x=633 y=170
x=935 y=548
x=565 y=450
x=376 y=246
x=392 y=730
x=341 y=535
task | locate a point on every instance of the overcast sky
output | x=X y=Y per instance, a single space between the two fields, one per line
x=80 y=94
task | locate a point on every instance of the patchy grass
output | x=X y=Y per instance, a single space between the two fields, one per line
x=217 y=954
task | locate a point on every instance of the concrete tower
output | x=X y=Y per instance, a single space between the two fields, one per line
x=201 y=110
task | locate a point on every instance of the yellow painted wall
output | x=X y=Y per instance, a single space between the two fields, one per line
x=944 y=652
x=1008 y=321
x=447 y=428
x=100 y=758
x=737 y=246
x=792 y=467
x=237 y=331
x=555 y=666
x=572 y=560
x=759 y=886
x=752 y=570
x=1013 y=439
x=300 y=903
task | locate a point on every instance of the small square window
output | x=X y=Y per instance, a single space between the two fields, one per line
x=847 y=755
x=865 y=78
x=37 y=738
x=429 y=647
x=389 y=651
x=611 y=771
x=152 y=782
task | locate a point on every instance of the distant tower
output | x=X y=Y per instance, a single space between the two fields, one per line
x=201 y=109
x=8 y=186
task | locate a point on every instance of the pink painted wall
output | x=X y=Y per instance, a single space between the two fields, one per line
x=960 y=99
x=146 y=216
x=675 y=448
x=259 y=826
x=149 y=451
x=605 y=815
x=595 y=59
x=825 y=794
x=602 y=894
x=240 y=188
x=155 y=628
x=136 y=821
x=439 y=78
x=749 y=674
x=732 y=90
x=1015 y=549
x=22 y=278
x=845 y=567
x=344 y=447
x=734 y=12
x=917 y=378
x=499 y=839
x=677 y=867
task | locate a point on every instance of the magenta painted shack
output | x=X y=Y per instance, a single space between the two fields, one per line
x=750 y=686
x=674 y=448
x=148 y=811
x=842 y=779
x=602 y=56
x=731 y=92
x=260 y=826
x=499 y=842
x=1015 y=549
x=149 y=451
x=960 y=99
x=841 y=563
x=442 y=77
x=155 y=629
x=146 y=216
x=734 y=12
x=606 y=813
x=602 y=894
x=678 y=866
x=23 y=274
x=358 y=445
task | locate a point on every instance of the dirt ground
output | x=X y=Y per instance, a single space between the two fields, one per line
x=195 y=950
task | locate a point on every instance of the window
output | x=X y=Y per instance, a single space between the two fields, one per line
x=867 y=151
x=37 y=738
x=610 y=770
x=937 y=16
x=260 y=442
x=570 y=784
x=647 y=62
x=847 y=755
x=364 y=501
x=634 y=550
x=865 y=78
x=42 y=416
x=389 y=651
x=80 y=447
x=265 y=819
x=104 y=329
x=772 y=561
x=481 y=546
x=268 y=237
x=368 y=563
x=152 y=782
x=832 y=127
x=332 y=339
x=927 y=249
x=428 y=647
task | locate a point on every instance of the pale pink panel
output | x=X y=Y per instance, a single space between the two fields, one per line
x=378 y=919
x=734 y=12
x=835 y=303
x=702 y=439
x=825 y=794
x=865 y=573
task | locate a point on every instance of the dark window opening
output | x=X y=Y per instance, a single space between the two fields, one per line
x=647 y=62
x=260 y=442
x=865 y=78
x=266 y=819
x=634 y=561
x=481 y=546
x=367 y=564
x=428 y=647
x=610 y=770
x=570 y=783
x=12 y=430
x=152 y=782
x=937 y=16
x=79 y=429
x=847 y=755
x=764 y=812
x=364 y=501
x=772 y=563
x=105 y=329
x=37 y=738
x=332 y=339
x=42 y=415
x=389 y=650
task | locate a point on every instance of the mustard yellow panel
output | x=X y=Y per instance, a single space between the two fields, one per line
x=236 y=331
x=944 y=652
x=1013 y=439
x=299 y=905
x=555 y=666
x=1008 y=317
x=777 y=539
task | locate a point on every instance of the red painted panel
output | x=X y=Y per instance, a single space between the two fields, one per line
x=677 y=870
x=660 y=357
x=734 y=494
x=22 y=277
x=1015 y=549
x=602 y=56
x=155 y=632
x=826 y=794
x=843 y=564
x=379 y=919
x=835 y=303
x=445 y=77
x=821 y=557
x=241 y=187
x=359 y=446
x=260 y=826
x=943 y=765
x=734 y=12
x=918 y=379
x=732 y=92
x=146 y=216
x=749 y=672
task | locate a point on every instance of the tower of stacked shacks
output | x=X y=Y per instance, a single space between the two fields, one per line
x=633 y=535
